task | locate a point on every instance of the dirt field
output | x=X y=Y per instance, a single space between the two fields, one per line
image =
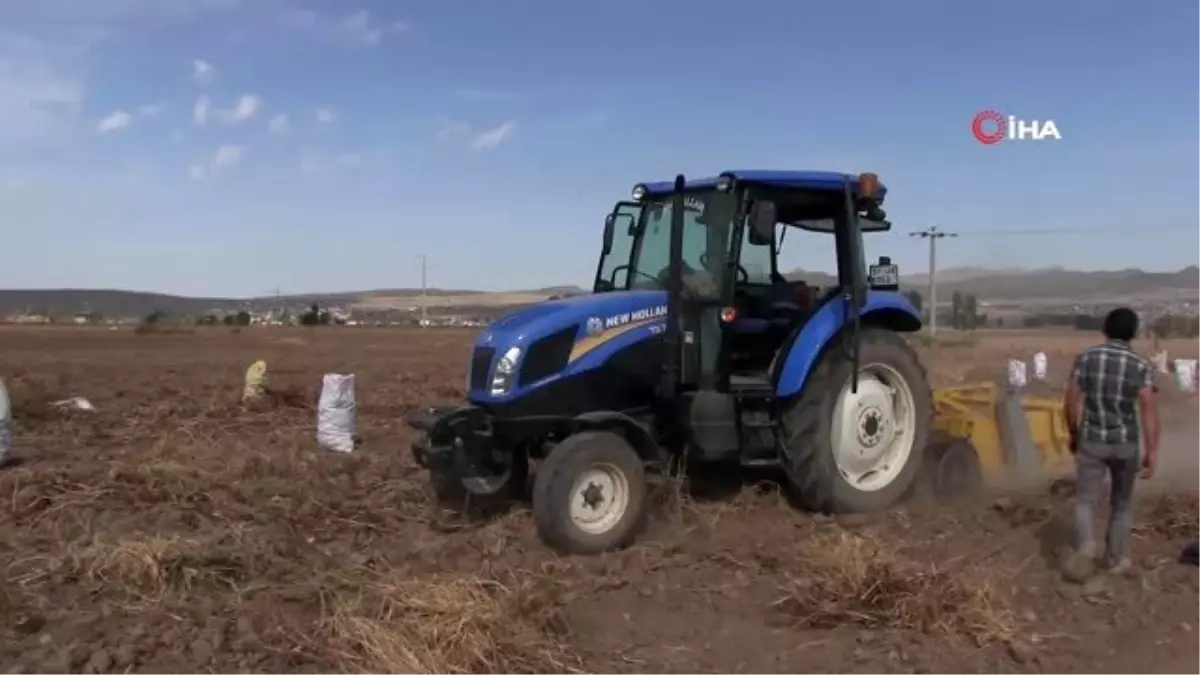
x=171 y=531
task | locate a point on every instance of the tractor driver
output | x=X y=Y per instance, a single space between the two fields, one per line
x=703 y=283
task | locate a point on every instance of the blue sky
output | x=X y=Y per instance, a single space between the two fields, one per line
x=226 y=147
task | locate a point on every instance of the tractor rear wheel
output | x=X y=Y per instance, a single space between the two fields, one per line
x=859 y=451
x=589 y=494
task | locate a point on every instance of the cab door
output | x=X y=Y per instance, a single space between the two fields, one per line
x=620 y=231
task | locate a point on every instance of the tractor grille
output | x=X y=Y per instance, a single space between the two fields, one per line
x=548 y=355
x=481 y=363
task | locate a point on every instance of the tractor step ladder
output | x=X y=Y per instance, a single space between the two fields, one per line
x=754 y=400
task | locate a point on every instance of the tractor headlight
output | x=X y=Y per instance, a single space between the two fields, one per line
x=506 y=371
x=639 y=192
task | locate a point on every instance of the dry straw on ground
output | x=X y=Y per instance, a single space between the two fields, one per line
x=1172 y=516
x=847 y=578
x=457 y=624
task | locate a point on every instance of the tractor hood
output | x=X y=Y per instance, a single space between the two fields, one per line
x=590 y=313
x=540 y=347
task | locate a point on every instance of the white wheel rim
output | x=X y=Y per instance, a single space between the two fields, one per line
x=599 y=499
x=874 y=430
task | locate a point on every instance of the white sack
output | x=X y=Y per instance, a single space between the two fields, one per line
x=336 y=424
x=1185 y=375
x=1039 y=366
x=1017 y=376
x=256 y=382
x=5 y=423
x=1160 y=362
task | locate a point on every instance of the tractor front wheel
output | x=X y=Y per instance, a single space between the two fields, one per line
x=859 y=451
x=589 y=494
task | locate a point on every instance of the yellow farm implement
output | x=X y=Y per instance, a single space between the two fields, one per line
x=986 y=435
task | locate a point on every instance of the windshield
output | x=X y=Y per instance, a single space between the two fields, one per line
x=707 y=225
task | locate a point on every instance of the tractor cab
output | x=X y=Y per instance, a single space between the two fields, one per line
x=738 y=309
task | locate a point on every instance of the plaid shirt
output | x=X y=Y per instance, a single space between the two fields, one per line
x=1110 y=376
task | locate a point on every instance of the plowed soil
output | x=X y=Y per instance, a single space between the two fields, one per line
x=171 y=530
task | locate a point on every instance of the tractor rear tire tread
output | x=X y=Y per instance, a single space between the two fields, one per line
x=812 y=470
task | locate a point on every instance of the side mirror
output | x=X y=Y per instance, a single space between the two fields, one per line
x=763 y=218
x=610 y=227
x=873 y=219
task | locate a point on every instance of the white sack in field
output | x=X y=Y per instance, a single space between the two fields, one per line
x=5 y=423
x=1017 y=377
x=256 y=382
x=336 y=409
x=1160 y=362
x=1039 y=366
x=1185 y=375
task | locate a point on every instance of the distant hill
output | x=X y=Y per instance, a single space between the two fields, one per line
x=118 y=303
x=1056 y=284
x=1049 y=285
x=1031 y=287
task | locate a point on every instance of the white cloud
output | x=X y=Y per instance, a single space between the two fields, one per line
x=245 y=110
x=348 y=160
x=151 y=110
x=591 y=120
x=280 y=125
x=114 y=122
x=227 y=155
x=358 y=28
x=112 y=11
x=203 y=72
x=485 y=95
x=493 y=137
x=310 y=162
x=41 y=87
x=200 y=110
x=450 y=129
x=327 y=115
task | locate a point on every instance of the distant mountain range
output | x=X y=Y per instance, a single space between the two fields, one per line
x=1017 y=286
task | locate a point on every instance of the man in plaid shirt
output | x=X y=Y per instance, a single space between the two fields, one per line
x=1113 y=417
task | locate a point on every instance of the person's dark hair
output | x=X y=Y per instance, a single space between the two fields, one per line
x=1121 y=324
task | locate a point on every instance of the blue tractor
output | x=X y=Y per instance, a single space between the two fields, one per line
x=693 y=347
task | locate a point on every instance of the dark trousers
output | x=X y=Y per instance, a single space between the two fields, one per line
x=1093 y=462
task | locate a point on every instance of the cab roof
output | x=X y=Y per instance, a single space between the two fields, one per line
x=798 y=180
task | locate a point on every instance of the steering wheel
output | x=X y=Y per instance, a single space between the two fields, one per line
x=743 y=274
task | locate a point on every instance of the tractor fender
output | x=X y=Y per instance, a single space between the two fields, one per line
x=883 y=309
x=630 y=429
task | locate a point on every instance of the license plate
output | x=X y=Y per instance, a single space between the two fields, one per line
x=884 y=275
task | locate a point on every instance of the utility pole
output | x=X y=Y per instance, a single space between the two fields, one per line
x=932 y=234
x=424 y=305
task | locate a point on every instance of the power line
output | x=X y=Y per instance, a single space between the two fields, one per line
x=1087 y=231
x=932 y=234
